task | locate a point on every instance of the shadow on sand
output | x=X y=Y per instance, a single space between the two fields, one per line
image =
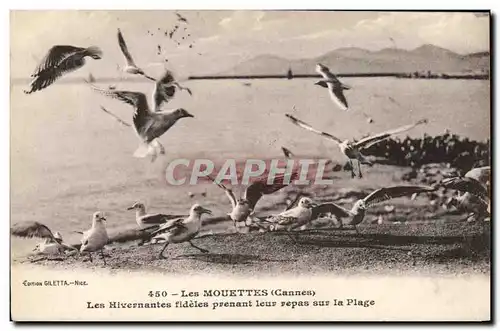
x=230 y=258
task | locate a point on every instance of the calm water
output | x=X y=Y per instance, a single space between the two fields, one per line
x=69 y=158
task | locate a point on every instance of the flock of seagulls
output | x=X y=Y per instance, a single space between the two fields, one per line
x=150 y=122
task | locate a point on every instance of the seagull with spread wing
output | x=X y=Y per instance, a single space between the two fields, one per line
x=244 y=207
x=182 y=230
x=96 y=237
x=474 y=185
x=149 y=125
x=307 y=211
x=334 y=86
x=352 y=149
x=59 y=60
x=130 y=66
x=53 y=240
x=165 y=89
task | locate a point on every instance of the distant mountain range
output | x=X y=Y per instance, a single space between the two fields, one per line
x=359 y=60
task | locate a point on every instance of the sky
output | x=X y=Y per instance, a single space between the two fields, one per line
x=224 y=38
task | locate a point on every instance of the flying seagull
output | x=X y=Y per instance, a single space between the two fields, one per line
x=306 y=211
x=334 y=86
x=59 y=60
x=242 y=208
x=475 y=197
x=180 y=18
x=130 y=66
x=35 y=229
x=96 y=237
x=353 y=149
x=165 y=89
x=149 y=125
x=182 y=229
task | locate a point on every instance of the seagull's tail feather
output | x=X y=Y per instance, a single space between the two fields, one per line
x=144 y=150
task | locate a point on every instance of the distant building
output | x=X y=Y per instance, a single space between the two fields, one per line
x=289 y=74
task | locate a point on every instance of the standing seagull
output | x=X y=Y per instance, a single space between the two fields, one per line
x=149 y=125
x=334 y=86
x=130 y=66
x=306 y=211
x=182 y=230
x=96 y=237
x=60 y=59
x=244 y=207
x=353 y=149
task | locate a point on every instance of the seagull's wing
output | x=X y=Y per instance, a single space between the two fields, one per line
x=293 y=202
x=30 y=230
x=325 y=72
x=306 y=126
x=55 y=56
x=337 y=96
x=466 y=184
x=229 y=192
x=136 y=99
x=287 y=152
x=329 y=207
x=48 y=76
x=482 y=174
x=393 y=192
x=124 y=49
x=260 y=187
x=174 y=226
x=114 y=116
x=159 y=218
x=372 y=140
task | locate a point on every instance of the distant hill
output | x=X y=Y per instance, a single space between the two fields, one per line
x=356 y=60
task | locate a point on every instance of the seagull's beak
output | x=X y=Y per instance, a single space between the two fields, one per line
x=206 y=211
x=131 y=208
x=188 y=115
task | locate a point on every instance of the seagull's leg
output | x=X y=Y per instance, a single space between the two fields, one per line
x=161 y=256
x=359 y=169
x=102 y=255
x=203 y=250
x=90 y=256
x=160 y=146
x=352 y=169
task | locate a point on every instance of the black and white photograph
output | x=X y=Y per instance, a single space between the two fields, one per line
x=250 y=165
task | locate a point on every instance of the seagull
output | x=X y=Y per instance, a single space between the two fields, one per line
x=475 y=187
x=182 y=229
x=306 y=211
x=180 y=18
x=149 y=125
x=352 y=149
x=147 y=220
x=96 y=237
x=59 y=60
x=130 y=66
x=36 y=229
x=165 y=89
x=334 y=86
x=244 y=207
